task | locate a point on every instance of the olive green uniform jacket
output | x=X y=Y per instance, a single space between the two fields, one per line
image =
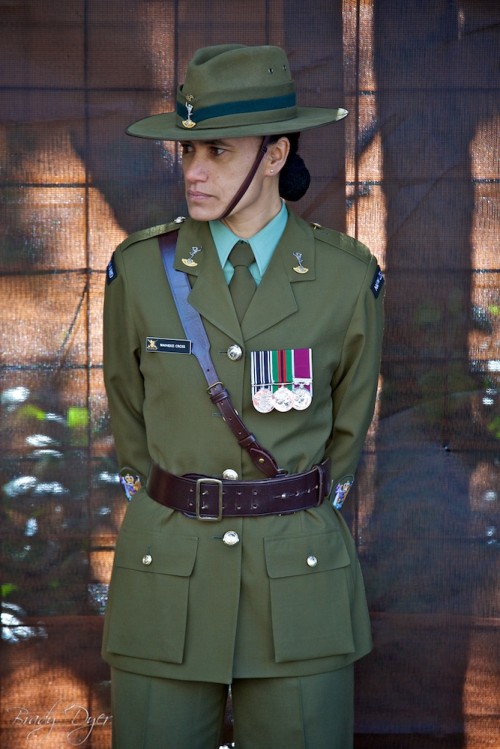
x=182 y=603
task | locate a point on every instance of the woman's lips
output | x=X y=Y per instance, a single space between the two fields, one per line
x=195 y=195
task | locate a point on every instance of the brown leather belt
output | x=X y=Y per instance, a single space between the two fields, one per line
x=207 y=498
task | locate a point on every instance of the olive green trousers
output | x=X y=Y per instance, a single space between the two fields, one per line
x=306 y=712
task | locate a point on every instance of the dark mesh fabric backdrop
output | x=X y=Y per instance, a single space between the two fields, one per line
x=414 y=173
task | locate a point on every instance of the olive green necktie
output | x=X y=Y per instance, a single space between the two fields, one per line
x=242 y=285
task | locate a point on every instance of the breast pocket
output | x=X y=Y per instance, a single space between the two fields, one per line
x=311 y=586
x=149 y=595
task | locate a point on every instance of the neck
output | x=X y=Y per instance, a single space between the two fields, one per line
x=245 y=226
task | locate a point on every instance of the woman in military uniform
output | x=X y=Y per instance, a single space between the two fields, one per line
x=224 y=575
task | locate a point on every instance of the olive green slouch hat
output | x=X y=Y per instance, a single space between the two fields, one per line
x=231 y=91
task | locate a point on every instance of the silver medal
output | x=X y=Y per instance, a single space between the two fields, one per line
x=301 y=398
x=263 y=400
x=283 y=399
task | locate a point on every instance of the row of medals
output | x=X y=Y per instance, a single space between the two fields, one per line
x=283 y=399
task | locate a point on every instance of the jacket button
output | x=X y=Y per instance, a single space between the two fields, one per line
x=312 y=561
x=234 y=352
x=230 y=474
x=230 y=538
x=147 y=559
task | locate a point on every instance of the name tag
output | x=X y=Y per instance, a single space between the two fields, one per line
x=167 y=346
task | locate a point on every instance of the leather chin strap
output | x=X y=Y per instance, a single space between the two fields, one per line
x=248 y=179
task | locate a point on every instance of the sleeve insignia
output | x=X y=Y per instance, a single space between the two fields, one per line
x=377 y=282
x=341 y=491
x=111 y=272
x=131 y=483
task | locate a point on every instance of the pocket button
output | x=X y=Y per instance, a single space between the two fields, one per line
x=230 y=538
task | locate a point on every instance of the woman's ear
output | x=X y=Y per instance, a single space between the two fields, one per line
x=277 y=154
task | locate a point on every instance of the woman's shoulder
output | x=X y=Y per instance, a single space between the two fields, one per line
x=342 y=242
x=335 y=240
x=143 y=235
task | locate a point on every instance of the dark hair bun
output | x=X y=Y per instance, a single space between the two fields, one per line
x=294 y=178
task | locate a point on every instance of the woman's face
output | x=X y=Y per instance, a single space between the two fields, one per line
x=213 y=173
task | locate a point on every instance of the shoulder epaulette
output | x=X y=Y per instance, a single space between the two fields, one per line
x=153 y=231
x=342 y=242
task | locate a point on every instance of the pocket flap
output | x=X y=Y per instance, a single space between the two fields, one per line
x=305 y=555
x=152 y=552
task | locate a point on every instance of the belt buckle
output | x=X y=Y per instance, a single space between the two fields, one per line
x=208 y=518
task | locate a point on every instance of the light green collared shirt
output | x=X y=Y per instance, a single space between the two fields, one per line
x=263 y=244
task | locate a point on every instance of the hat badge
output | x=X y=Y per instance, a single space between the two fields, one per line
x=189 y=122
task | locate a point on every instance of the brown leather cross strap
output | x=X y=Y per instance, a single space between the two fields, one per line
x=194 y=330
x=208 y=498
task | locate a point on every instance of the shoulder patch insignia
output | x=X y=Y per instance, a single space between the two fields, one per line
x=341 y=491
x=377 y=282
x=131 y=483
x=111 y=272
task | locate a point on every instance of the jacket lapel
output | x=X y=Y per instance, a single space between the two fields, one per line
x=274 y=299
x=209 y=294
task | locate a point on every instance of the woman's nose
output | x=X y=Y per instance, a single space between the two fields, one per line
x=194 y=168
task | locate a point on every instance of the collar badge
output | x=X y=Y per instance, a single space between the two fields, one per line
x=299 y=268
x=189 y=260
